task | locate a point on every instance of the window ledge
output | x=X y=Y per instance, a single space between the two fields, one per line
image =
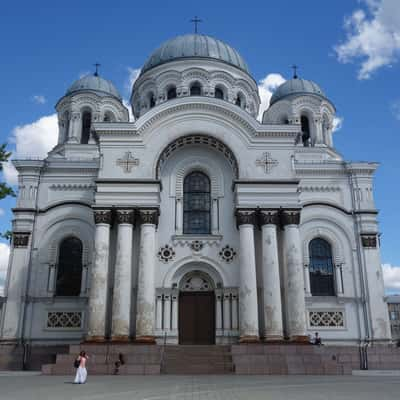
x=187 y=239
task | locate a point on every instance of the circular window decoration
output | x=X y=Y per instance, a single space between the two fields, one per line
x=196 y=245
x=166 y=253
x=227 y=253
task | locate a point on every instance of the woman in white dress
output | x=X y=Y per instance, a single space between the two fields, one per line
x=81 y=373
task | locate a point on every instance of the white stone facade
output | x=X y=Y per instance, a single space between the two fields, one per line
x=122 y=195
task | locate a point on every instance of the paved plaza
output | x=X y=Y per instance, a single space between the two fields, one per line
x=20 y=386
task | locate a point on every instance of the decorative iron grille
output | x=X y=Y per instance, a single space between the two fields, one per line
x=64 y=319
x=326 y=319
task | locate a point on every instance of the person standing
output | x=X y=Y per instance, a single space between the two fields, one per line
x=81 y=372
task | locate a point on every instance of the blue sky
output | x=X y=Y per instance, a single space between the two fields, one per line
x=46 y=45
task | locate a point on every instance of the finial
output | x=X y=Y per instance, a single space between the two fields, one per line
x=97 y=65
x=295 y=68
x=196 y=20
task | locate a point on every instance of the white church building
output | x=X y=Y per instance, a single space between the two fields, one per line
x=195 y=223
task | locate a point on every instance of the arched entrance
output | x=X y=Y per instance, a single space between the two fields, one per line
x=196 y=309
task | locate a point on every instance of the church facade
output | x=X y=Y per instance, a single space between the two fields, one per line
x=196 y=223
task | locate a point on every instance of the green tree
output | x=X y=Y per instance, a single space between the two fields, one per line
x=5 y=190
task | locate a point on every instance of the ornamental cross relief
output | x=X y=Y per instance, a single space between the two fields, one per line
x=127 y=162
x=267 y=162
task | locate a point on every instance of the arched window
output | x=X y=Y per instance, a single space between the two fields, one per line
x=152 y=100
x=321 y=268
x=69 y=268
x=305 y=129
x=195 y=89
x=109 y=117
x=86 y=122
x=219 y=93
x=240 y=101
x=196 y=204
x=171 y=94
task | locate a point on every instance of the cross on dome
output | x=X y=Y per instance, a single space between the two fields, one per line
x=196 y=20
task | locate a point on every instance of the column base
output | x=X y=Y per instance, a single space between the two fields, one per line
x=145 y=340
x=274 y=339
x=249 y=339
x=95 y=339
x=120 y=339
x=300 y=339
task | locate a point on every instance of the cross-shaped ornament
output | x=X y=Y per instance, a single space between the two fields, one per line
x=196 y=20
x=97 y=65
x=267 y=162
x=127 y=162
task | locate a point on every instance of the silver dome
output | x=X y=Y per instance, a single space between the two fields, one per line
x=94 y=83
x=195 y=46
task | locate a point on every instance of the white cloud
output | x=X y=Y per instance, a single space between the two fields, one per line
x=33 y=140
x=337 y=123
x=133 y=74
x=4 y=256
x=395 y=107
x=391 y=277
x=39 y=99
x=372 y=36
x=266 y=87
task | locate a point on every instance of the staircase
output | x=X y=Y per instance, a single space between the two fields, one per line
x=199 y=359
x=138 y=360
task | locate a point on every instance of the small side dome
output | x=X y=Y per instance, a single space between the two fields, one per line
x=296 y=86
x=94 y=83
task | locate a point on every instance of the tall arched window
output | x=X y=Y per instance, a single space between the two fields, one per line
x=86 y=122
x=69 y=268
x=195 y=89
x=321 y=268
x=305 y=129
x=219 y=93
x=171 y=94
x=152 y=100
x=196 y=204
x=240 y=101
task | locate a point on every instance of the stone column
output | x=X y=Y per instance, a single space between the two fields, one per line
x=159 y=314
x=99 y=279
x=272 y=307
x=248 y=304
x=214 y=216
x=235 y=323
x=145 y=308
x=75 y=127
x=379 y=316
x=339 y=281
x=295 y=297
x=174 y=318
x=121 y=308
x=227 y=311
x=307 y=285
x=167 y=312
x=218 y=312
x=13 y=309
x=179 y=216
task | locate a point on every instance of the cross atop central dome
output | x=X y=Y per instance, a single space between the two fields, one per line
x=195 y=46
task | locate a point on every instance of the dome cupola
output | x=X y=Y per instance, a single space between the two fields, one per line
x=94 y=83
x=296 y=86
x=195 y=46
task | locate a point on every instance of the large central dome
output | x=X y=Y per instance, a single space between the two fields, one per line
x=195 y=46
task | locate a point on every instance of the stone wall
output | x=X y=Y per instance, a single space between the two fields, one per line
x=311 y=360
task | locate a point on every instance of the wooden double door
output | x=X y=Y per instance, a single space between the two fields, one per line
x=196 y=318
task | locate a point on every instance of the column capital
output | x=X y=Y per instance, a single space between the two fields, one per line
x=102 y=217
x=244 y=217
x=290 y=217
x=268 y=217
x=148 y=216
x=125 y=217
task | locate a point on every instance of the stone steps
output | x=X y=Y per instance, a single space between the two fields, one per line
x=184 y=360
x=139 y=360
